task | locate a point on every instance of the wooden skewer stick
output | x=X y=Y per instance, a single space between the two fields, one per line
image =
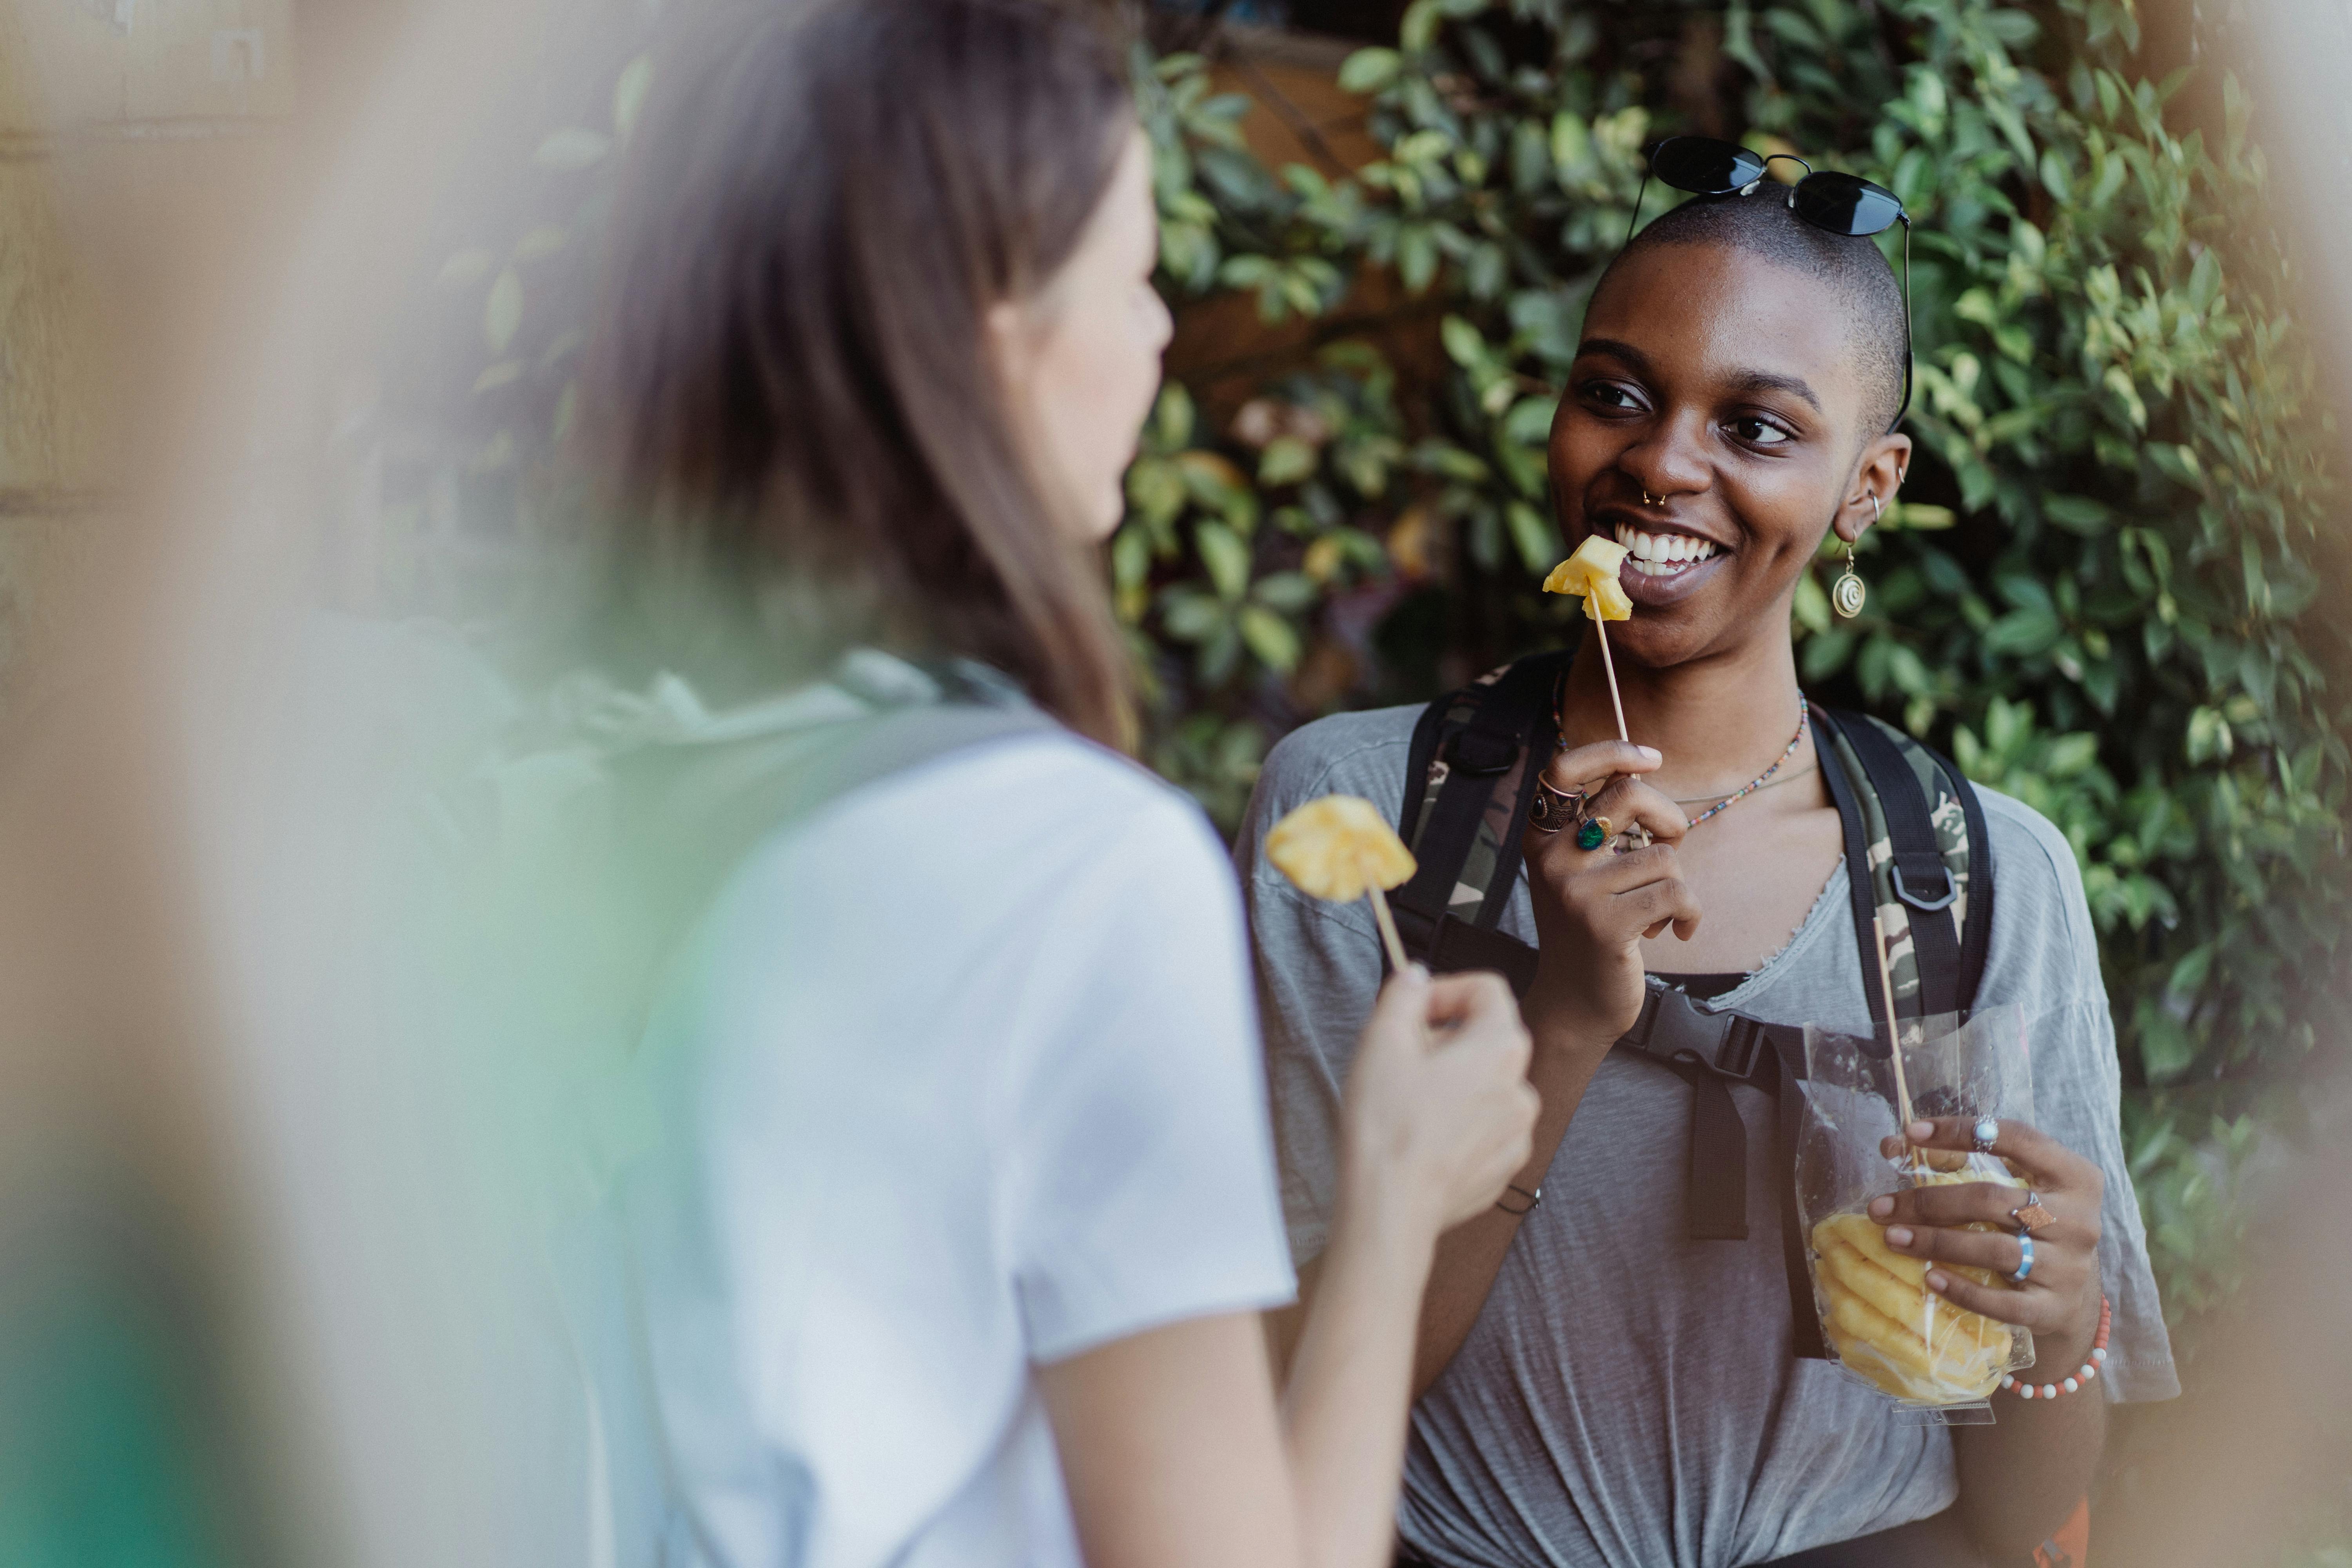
x=1893 y=1033
x=1388 y=938
x=1600 y=629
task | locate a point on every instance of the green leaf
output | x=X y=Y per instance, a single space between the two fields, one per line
x=1918 y=515
x=1286 y=460
x=1529 y=421
x=1155 y=487
x=1225 y=556
x=1418 y=29
x=1270 y=638
x=1463 y=346
x=1194 y=616
x=2078 y=514
x=1172 y=417
x=2022 y=633
x=1811 y=609
x=1572 y=145
x=2055 y=177
x=1416 y=256
x=2165 y=1048
x=1130 y=557
x=1288 y=592
x=1539 y=544
x=1370 y=70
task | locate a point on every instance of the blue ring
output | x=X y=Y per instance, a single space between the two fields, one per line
x=2025 y=1258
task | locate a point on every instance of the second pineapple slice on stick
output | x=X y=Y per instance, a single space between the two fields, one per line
x=1341 y=848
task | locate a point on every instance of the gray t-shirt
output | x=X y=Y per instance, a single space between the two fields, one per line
x=1630 y=1397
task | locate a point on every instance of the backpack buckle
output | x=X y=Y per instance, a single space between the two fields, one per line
x=1672 y=1030
x=1920 y=902
x=1737 y=1057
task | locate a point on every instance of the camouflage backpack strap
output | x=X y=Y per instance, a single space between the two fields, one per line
x=1918 y=859
x=1468 y=783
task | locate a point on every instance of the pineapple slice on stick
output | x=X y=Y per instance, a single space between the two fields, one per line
x=1340 y=848
x=1592 y=575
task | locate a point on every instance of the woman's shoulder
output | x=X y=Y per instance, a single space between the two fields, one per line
x=1050 y=796
x=2041 y=918
x=2028 y=849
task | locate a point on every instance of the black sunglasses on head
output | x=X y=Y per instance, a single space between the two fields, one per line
x=1837 y=204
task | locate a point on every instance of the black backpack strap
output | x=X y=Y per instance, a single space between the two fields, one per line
x=1480 y=749
x=1804 y=1317
x=1915 y=865
x=1712 y=1051
x=1426 y=734
x=1914 y=810
x=1857 y=857
x=1975 y=933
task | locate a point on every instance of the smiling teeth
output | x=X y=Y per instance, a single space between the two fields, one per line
x=1663 y=554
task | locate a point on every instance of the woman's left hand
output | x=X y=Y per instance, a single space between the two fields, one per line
x=2059 y=1299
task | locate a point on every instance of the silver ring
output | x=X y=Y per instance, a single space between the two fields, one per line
x=1984 y=1134
x=2024 y=1258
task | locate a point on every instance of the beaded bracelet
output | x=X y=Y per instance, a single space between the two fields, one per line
x=2088 y=1372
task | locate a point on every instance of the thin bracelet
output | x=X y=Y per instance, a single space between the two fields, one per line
x=1533 y=1199
x=2088 y=1372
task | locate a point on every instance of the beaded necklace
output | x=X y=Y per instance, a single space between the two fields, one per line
x=1804 y=723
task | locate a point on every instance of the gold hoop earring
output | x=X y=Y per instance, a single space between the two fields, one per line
x=1849 y=591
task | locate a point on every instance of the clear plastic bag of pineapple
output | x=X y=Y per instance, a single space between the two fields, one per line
x=1885 y=1327
x=1885 y=1324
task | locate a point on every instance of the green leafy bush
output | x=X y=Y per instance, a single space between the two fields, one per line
x=2100 y=591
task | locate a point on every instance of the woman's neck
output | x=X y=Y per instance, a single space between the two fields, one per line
x=1717 y=721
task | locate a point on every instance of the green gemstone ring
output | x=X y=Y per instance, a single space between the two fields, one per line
x=1592 y=833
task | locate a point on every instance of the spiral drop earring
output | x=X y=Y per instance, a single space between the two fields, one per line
x=1847 y=594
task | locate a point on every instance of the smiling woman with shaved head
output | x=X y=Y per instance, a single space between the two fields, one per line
x=1615 y=1369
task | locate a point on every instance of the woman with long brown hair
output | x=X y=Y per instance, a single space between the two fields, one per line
x=975 y=1199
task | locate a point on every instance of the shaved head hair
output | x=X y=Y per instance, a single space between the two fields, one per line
x=1763 y=227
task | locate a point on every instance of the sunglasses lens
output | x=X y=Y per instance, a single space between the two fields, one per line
x=1842 y=204
x=1704 y=166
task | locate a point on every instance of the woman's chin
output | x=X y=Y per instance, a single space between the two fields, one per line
x=1099 y=518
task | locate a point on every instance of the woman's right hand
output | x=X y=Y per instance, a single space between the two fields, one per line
x=1439 y=1114
x=1594 y=906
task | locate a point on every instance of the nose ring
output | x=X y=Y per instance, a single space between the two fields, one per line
x=1649 y=499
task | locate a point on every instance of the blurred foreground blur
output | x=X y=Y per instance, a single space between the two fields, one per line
x=300 y=1097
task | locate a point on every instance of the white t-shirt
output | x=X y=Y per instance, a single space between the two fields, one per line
x=963 y=1076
